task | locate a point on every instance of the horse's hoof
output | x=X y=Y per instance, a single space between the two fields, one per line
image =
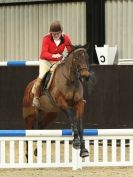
x=76 y=143
x=84 y=153
x=35 y=152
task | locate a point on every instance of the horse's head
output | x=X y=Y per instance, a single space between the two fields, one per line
x=80 y=59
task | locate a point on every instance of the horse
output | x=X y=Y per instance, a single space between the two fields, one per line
x=65 y=94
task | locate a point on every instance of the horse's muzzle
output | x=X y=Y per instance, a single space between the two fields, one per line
x=84 y=73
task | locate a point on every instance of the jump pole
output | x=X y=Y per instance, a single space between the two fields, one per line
x=19 y=63
x=66 y=132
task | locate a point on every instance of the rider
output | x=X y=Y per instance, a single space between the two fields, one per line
x=53 y=46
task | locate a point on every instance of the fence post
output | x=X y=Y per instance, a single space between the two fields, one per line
x=76 y=159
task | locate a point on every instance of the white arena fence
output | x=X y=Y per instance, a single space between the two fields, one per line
x=107 y=147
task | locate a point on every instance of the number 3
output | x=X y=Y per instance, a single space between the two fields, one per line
x=102 y=58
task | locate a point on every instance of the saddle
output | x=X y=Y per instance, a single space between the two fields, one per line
x=46 y=82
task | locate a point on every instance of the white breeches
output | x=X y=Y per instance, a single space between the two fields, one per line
x=44 y=67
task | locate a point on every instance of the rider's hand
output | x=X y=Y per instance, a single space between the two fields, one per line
x=56 y=55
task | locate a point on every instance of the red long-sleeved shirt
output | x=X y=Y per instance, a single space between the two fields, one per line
x=49 y=47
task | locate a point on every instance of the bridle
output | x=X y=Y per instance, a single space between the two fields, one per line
x=75 y=59
x=75 y=69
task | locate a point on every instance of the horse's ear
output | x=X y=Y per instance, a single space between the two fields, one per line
x=87 y=46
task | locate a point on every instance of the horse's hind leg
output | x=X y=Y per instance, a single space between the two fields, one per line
x=29 y=123
x=44 y=121
x=35 y=127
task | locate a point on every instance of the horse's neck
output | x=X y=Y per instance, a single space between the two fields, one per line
x=68 y=62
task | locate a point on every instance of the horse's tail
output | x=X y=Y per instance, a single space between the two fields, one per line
x=28 y=95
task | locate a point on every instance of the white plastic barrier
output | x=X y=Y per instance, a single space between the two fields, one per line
x=106 y=54
x=106 y=148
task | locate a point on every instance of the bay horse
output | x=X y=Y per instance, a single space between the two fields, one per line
x=64 y=94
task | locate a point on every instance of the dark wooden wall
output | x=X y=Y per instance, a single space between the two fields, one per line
x=108 y=106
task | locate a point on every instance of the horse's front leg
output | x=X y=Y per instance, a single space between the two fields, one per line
x=74 y=125
x=79 y=108
x=70 y=113
x=83 y=152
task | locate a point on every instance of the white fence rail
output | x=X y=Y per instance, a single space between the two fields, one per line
x=105 y=150
x=125 y=61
